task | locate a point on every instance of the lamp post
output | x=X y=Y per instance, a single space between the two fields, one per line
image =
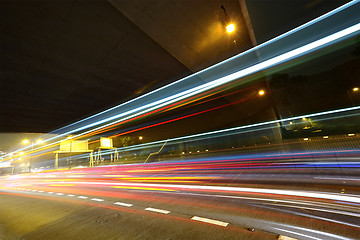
x=350 y=94
x=25 y=141
x=230 y=27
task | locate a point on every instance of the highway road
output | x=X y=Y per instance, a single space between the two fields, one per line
x=181 y=200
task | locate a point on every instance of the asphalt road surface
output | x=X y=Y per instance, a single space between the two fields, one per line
x=152 y=202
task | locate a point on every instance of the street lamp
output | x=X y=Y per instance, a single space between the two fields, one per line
x=26 y=141
x=261 y=92
x=350 y=94
x=230 y=28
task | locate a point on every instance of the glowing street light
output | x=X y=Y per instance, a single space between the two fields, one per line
x=355 y=89
x=230 y=28
x=25 y=141
x=140 y=138
x=261 y=92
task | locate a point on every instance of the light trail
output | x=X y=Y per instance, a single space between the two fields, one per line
x=297 y=193
x=242 y=73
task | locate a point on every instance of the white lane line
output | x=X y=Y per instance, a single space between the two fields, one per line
x=208 y=220
x=157 y=210
x=40 y=191
x=82 y=197
x=71 y=195
x=299 y=234
x=282 y=237
x=123 y=204
x=97 y=199
x=59 y=194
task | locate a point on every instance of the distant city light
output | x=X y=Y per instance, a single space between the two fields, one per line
x=25 y=141
x=351 y=134
x=140 y=138
x=355 y=89
x=230 y=28
x=306 y=139
x=325 y=136
x=261 y=92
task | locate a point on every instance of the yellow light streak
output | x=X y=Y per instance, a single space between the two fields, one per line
x=144 y=188
x=62 y=185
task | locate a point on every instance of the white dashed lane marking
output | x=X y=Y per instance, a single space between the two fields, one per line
x=208 y=220
x=157 y=210
x=97 y=199
x=123 y=204
x=196 y=218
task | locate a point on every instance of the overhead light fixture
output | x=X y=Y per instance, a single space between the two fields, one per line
x=261 y=92
x=230 y=27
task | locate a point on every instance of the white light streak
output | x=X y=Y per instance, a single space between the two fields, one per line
x=298 y=193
